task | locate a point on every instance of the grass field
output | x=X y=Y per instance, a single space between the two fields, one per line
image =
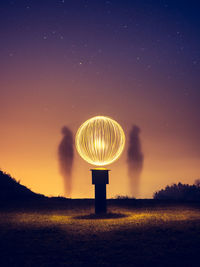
x=129 y=235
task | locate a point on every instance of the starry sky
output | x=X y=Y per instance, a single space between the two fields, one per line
x=64 y=61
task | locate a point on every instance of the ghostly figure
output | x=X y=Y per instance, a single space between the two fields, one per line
x=135 y=160
x=66 y=157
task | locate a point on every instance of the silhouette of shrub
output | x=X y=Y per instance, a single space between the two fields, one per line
x=197 y=182
x=123 y=197
x=179 y=192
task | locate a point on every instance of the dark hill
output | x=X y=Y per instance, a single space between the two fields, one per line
x=11 y=190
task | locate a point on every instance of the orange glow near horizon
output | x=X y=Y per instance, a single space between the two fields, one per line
x=31 y=134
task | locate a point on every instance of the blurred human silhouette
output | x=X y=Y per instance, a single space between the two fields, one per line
x=135 y=160
x=66 y=157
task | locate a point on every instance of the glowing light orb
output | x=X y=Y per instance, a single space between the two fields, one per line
x=100 y=140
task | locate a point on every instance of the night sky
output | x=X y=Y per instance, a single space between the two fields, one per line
x=62 y=62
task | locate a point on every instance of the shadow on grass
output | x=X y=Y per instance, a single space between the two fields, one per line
x=101 y=216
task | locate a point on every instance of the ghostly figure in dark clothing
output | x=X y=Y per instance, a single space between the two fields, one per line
x=135 y=160
x=66 y=157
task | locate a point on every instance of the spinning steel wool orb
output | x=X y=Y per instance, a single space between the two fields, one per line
x=100 y=140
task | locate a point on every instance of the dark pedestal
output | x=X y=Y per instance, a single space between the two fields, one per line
x=100 y=177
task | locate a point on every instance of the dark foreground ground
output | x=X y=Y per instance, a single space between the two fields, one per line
x=133 y=233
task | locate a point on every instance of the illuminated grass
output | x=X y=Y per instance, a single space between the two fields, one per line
x=118 y=218
x=155 y=236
